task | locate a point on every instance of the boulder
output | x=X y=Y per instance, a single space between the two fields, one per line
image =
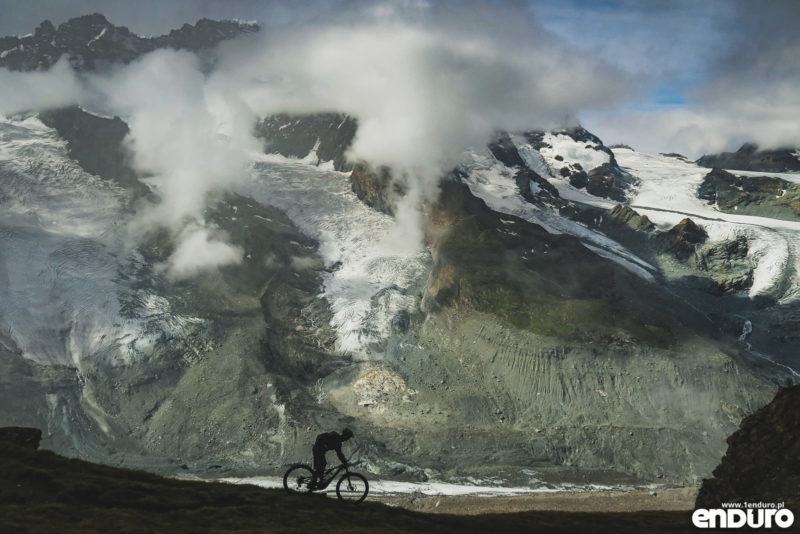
x=682 y=239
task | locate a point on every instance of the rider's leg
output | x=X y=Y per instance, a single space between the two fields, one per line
x=319 y=465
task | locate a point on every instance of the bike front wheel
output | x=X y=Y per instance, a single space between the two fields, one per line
x=352 y=488
x=298 y=479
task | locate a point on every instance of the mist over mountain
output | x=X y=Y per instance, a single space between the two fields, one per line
x=217 y=243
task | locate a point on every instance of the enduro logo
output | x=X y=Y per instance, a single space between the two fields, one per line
x=738 y=515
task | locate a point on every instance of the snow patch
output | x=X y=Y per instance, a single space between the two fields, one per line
x=370 y=276
x=96 y=37
x=532 y=158
x=572 y=152
x=392 y=487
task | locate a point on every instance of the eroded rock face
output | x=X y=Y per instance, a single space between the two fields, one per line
x=762 y=463
x=22 y=436
x=532 y=341
x=377 y=188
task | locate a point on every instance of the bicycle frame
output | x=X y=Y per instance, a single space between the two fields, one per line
x=330 y=474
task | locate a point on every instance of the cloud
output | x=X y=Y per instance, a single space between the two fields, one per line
x=188 y=139
x=198 y=251
x=425 y=81
x=22 y=91
x=747 y=92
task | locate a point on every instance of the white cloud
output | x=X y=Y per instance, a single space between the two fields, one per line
x=189 y=139
x=722 y=115
x=198 y=251
x=424 y=81
x=425 y=90
x=748 y=91
x=24 y=91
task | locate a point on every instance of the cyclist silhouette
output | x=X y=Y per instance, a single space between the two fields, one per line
x=330 y=441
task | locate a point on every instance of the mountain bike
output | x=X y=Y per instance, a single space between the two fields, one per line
x=351 y=487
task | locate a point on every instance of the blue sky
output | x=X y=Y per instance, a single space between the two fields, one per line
x=667 y=46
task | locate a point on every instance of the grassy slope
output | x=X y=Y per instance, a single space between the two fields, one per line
x=44 y=492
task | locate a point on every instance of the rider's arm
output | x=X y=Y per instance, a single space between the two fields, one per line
x=340 y=454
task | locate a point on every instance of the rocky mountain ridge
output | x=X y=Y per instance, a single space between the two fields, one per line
x=750 y=157
x=91 y=41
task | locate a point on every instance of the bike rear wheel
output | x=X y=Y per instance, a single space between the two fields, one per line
x=352 y=488
x=298 y=479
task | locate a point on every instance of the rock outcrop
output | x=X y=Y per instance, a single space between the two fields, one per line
x=377 y=188
x=727 y=265
x=750 y=158
x=628 y=216
x=762 y=463
x=96 y=143
x=603 y=182
x=682 y=239
x=763 y=196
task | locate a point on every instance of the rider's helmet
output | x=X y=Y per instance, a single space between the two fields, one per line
x=347 y=433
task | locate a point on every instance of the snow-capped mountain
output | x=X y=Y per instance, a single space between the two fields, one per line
x=576 y=312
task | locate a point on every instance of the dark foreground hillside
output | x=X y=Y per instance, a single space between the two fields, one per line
x=41 y=491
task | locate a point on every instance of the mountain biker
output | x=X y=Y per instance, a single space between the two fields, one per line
x=330 y=441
